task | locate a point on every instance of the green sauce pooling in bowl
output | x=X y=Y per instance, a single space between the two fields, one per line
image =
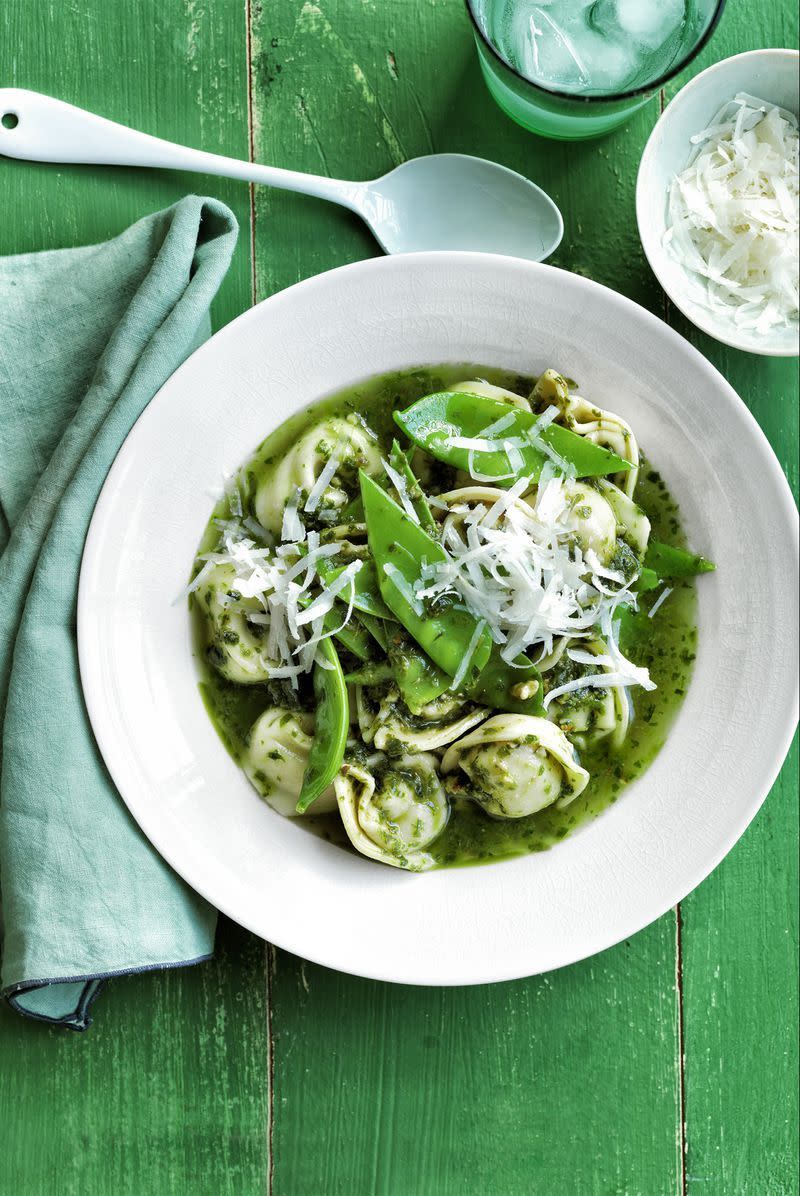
x=665 y=644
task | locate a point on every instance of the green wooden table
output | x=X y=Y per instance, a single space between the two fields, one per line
x=665 y=1065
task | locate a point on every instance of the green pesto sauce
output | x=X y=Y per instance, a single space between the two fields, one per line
x=666 y=644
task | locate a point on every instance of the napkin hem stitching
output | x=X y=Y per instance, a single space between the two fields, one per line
x=12 y=991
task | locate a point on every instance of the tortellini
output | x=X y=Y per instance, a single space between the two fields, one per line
x=393 y=808
x=594 y=515
x=590 y=518
x=464 y=500
x=276 y=758
x=633 y=524
x=605 y=428
x=366 y=682
x=235 y=646
x=385 y=721
x=343 y=437
x=516 y=765
x=587 y=715
x=478 y=387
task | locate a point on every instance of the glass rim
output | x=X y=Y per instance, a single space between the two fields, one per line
x=631 y=93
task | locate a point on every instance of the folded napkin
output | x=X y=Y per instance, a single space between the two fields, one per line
x=87 y=336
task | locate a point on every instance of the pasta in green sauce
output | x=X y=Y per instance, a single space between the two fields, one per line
x=446 y=616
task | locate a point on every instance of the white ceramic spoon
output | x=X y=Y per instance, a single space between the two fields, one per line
x=443 y=201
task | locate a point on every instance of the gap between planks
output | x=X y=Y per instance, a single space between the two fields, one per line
x=681 y=1048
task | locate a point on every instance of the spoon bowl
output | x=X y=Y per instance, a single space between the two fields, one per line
x=443 y=201
x=453 y=201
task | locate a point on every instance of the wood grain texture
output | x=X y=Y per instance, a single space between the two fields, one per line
x=235 y=1077
x=177 y=69
x=560 y=1083
x=167 y=1093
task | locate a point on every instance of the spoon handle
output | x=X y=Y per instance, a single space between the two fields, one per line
x=39 y=128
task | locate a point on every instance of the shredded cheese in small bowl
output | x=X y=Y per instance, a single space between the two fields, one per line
x=733 y=215
x=717 y=201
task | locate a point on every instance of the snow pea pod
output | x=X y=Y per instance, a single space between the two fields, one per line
x=433 y=421
x=354 y=511
x=400 y=462
x=376 y=628
x=419 y=680
x=372 y=673
x=331 y=725
x=445 y=630
x=648 y=580
x=666 y=561
x=515 y=689
x=366 y=595
x=352 y=636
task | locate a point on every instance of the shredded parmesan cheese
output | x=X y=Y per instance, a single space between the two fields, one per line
x=466 y=659
x=515 y=565
x=321 y=485
x=662 y=597
x=293 y=600
x=292 y=529
x=399 y=483
x=733 y=214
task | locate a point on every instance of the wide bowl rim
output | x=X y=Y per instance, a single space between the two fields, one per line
x=95 y=695
x=705 y=322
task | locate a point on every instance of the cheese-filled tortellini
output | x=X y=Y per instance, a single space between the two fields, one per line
x=386 y=721
x=393 y=808
x=276 y=758
x=588 y=715
x=515 y=765
x=589 y=517
x=342 y=438
x=477 y=386
x=235 y=644
x=458 y=506
x=632 y=523
x=605 y=428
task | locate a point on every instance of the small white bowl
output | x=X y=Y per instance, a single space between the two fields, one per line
x=771 y=75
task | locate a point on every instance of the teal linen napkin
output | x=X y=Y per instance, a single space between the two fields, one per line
x=87 y=336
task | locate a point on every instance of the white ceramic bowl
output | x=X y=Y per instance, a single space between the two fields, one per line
x=770 y=75
x=467 y=925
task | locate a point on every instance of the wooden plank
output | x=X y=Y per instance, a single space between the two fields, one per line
x=560 y=1083
x=564 y=1083
x=740 y=929
x=166 y=1094
x=176 y=69
x=740 y=961
x=168 y=1091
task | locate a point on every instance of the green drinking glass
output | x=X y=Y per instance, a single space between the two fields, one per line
x=572 y=69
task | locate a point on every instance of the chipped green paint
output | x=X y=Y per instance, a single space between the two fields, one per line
x=568 y=1083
